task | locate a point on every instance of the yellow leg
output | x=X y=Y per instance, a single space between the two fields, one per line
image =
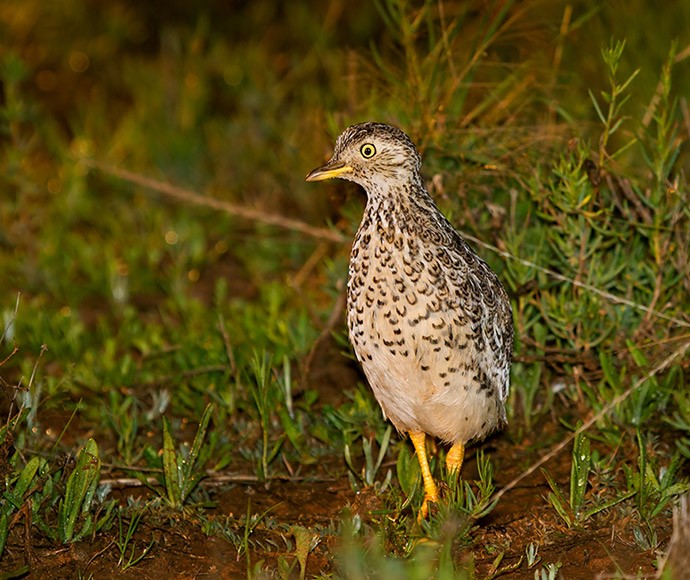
x=454 y=459
x=430 y=491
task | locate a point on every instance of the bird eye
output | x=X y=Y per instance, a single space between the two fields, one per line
x=367 y=150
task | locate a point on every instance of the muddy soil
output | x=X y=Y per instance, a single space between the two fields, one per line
x=181 y=550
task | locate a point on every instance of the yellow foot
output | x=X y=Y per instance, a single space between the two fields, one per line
x=424 y=510
x=430 y=490
x=455 y=457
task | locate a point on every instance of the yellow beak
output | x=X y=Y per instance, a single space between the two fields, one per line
x=328 y=171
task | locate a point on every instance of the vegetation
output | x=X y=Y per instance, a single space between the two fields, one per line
x=174 y=368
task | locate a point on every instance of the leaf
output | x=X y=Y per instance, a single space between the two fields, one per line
x=189 y=479
x=637 y=355
x=305 y=542
x=407 y=470
x=557 y=499
x=170 y=470
x=15 y=498
x=276 y=448
x=383 y=448
x=579 y=472
x=81 y=486
x=611 y=373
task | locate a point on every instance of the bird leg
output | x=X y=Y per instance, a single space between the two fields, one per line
x=430 y=491
x=454 y=458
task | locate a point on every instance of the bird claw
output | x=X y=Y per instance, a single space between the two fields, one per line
x=424 y=510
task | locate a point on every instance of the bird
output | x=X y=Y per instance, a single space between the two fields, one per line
x=429 y=321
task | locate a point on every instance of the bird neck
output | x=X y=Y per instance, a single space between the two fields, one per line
x=391 y=199
x=399 y=208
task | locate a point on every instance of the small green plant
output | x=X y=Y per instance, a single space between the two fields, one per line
x=305 y=542
x=409 y=475
x=245 y=541
x=183 y=469
x=265 y=395
x=531 y=406
x=572 y=509
x=476 y=504
x=125 y=541
x=579 y=475
x=660 y=139
x=461 y=506
x=75 y=520
x=355 y=418
x=124 y=418
x=472 y=500
x=293 y=416
x=532 y=555
x=16 y=495
x=367 y=476
x=611 y=115
x=548 y=571
x=363 y=551
x=643 y=404
x=653 y=487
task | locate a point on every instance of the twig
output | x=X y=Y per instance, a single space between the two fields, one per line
x=213 y=479
x=298 y=279
x=97 y=554
x=676 y=557
x=121 y=482
x=15 y=350
x=188 y=196
x=44 y=347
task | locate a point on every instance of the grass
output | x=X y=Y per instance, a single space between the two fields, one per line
x=164 y=349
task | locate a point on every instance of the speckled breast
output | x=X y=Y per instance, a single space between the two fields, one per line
x=424 y=318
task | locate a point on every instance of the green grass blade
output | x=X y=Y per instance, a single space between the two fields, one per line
x=558 y=500
x=383 y=448
x=189 y=479
x=579 y=473
x=170 y=468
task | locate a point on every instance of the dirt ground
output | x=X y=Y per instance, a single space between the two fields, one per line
x=183 y=551
x=317 y=498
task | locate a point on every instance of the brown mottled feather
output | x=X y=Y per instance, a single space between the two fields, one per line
x=429 y=320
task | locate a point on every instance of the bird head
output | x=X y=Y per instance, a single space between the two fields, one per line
x=374 y=155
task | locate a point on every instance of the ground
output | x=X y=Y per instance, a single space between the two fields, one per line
x=183 y=551
x=316 y=498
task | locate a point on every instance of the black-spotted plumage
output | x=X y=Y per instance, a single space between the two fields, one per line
x=429 y=321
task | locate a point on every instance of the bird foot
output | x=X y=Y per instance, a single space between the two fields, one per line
x=424 y=510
